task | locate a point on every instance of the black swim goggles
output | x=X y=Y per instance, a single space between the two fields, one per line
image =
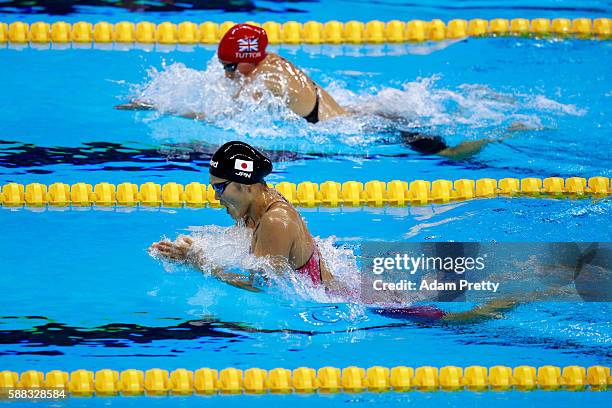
x=229 y=66
x=220 y=187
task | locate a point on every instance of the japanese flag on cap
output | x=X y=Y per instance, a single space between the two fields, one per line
x=240 y=162
x=244 y=165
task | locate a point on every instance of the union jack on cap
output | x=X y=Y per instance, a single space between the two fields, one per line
x=248 y=45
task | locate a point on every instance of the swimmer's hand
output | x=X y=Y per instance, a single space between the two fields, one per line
x=135 y=105
x=174 y=251
x=142 y=105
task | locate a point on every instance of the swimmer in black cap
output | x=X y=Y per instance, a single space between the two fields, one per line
x=237 y=172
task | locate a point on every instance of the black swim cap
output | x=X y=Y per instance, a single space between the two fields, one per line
x=240 y=162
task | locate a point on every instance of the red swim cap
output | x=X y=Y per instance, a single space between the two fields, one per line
x=243 y=43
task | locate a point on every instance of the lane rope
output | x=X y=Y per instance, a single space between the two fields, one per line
x=209 y=381
x=311 y=32
x=373 y=193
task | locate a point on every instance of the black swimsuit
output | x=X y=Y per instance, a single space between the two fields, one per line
x=313 y=116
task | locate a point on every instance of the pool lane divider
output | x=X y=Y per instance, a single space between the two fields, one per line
x=311 y=32
x=306 y=194
x=351 y=379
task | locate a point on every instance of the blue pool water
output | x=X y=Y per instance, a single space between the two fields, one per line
x=300 y=10
x=79 y=289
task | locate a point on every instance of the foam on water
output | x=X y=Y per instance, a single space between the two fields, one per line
x=470 y=111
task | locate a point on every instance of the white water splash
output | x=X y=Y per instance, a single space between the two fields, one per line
x=423 y=104
x=468 y=111
x=228 y=248
x=545 y=104
x=177 y=89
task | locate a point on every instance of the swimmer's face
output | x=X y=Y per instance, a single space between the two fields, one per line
x=232 y=69
x=235 y=197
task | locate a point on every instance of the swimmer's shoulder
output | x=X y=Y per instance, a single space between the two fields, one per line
x=277 y=223
x=273 y=58
x=270 y=69
x=279 y=210
x=273 y=63
x=280 y=215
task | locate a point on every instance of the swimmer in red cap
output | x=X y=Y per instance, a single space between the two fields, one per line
x=242 y=51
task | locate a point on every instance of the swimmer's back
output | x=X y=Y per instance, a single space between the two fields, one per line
x=304 y=244
x=282 y=76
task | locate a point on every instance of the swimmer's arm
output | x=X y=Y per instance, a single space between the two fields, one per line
x=235 y=279
x=275 y=238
